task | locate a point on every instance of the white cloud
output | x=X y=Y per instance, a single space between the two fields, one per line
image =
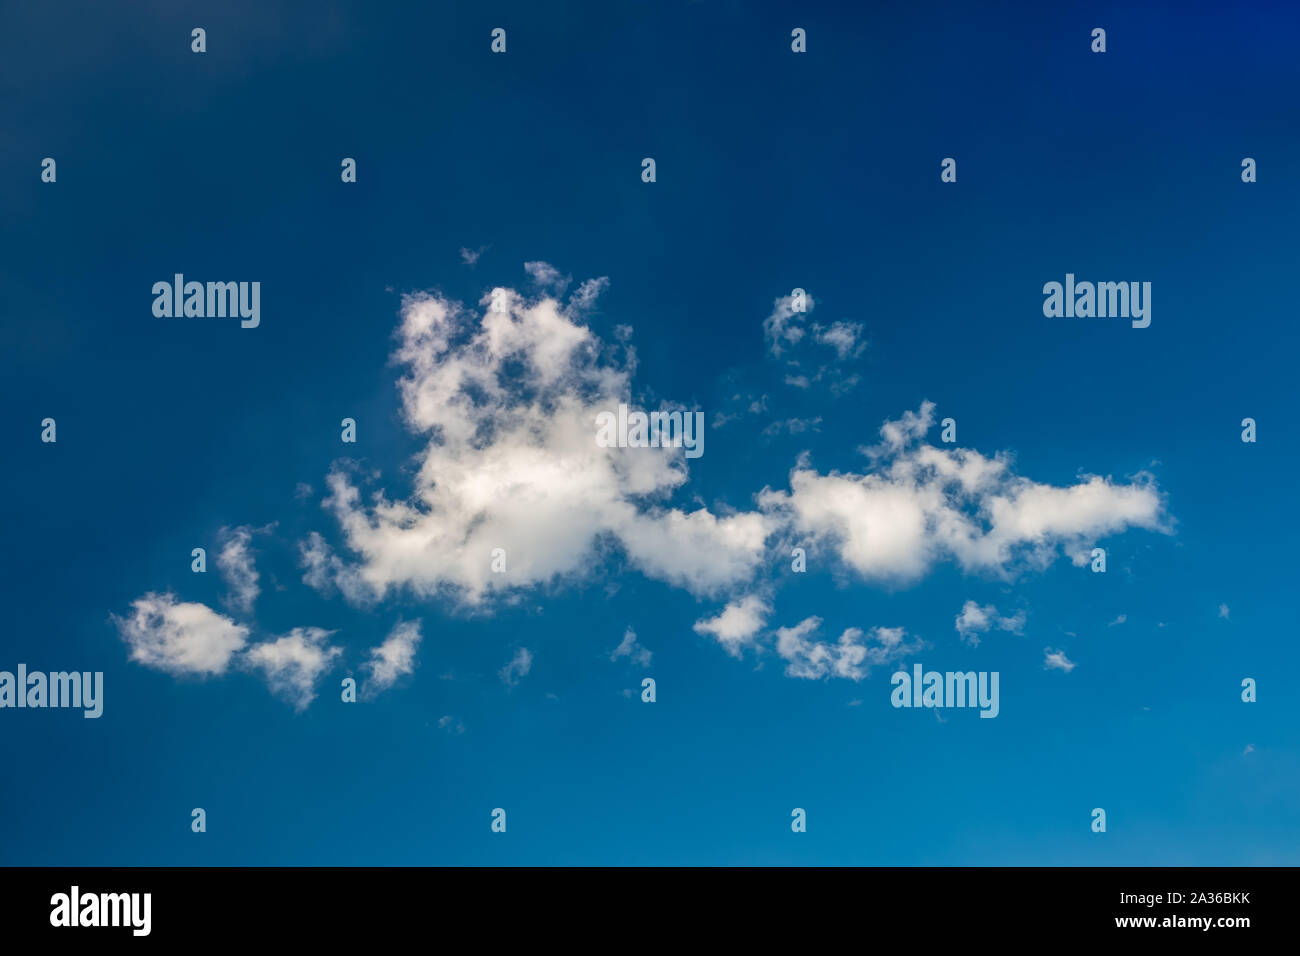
x=394 y=657
x=844 y=337
x=547 y=276
x=581 y=301
x=180 y=637
x=784 y=326
x=1118 y=620
x=236 y=563
x=518 y=667
x=974 y=620
x=471 y=256
x=325 y=571
x=630 y=649
x=852 y=656
x=508 y=403
x=1223 y=611
x=921 y=504
x=897 y=435
x=189 y=638
x=505 y=404
x=294 y=663
x=738 y=624
x=1056 y=660
x=789 y=337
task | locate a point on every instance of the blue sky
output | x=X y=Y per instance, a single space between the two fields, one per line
x=774 y=171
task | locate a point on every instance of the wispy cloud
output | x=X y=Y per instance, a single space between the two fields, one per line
x=326 y=572
x=238 y=569
x=630 y=649
x=547 y=276
x=844 y=337
x=851 y=657
x=1056 y=660
x=294 y=664
x=784 y=325
x=804 y=345
x=517 y=668
x=393 y=658
x=974 y=620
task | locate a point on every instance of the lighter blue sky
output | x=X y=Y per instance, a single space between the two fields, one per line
x=775 y=170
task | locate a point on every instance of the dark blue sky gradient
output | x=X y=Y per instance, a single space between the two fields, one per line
x=774 y=171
